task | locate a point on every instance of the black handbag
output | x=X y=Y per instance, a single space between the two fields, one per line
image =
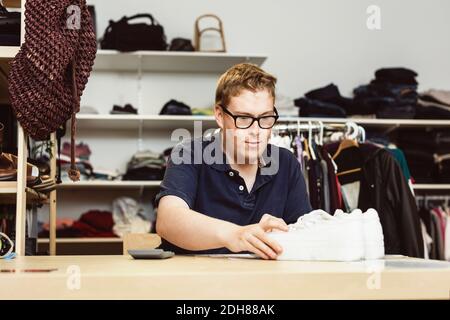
x=124 y=36
x=9 y=27
x=181 y=44
x=174 y=107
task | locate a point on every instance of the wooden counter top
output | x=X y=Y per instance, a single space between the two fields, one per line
x=203 y=277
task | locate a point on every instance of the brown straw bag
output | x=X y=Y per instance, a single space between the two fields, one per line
x=51 y=70
x=198 y=34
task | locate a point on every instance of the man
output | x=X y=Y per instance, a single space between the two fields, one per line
x=251 y=187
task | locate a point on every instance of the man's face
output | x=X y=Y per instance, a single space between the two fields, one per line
x=247 y=145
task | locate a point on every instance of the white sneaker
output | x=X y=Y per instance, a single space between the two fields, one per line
x=373 y=235
x=320 y=236
x=372 y=231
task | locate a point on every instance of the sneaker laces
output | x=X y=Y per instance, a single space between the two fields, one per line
x=311 y=219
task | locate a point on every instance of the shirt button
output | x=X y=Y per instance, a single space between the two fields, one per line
x=241 y=188
x=231 y=173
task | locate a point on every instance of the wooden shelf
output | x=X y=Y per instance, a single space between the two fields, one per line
x=7 y=52
x=171 y=61
x=12 y=3
x=8 y=187
x=108 y=184
x=8 y=191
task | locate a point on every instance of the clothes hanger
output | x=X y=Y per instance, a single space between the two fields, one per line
x=313 y=155
x=321 y=132
x=306 y=148
x=362 y=134
x=349 y=138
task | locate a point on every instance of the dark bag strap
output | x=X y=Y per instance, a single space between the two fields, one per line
x=3 y=10
x=141 y=15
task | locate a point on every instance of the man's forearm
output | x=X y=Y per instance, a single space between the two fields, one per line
x=191 y=230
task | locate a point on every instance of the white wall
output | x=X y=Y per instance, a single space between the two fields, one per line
x=312 y=43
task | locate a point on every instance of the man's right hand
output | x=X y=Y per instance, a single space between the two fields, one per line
x=253 y=237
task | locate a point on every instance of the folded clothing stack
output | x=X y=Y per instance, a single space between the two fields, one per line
x=392 y=94
x=82 y=155
x=146 y=165
x=323 y=102
x=434 y=104
x=94 y=223
x=130 y=217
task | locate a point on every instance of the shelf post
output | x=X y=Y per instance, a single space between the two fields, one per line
x=21 y=196
x=52 y=217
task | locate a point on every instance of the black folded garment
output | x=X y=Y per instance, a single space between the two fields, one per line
x=127 y=109
x=174 y=107
x=396 y=76
x=181 y=44
x=318 y=109
x=144 y=174
x=331 y=94
x=396 y=112
x=431 y=112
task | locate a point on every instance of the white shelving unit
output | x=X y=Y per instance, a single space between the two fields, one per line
x=152 y=122
x=171 y=122
x=171 y=61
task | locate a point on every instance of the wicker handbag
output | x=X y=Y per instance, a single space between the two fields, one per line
x=199 y=33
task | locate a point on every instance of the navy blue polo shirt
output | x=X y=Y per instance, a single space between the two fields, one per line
x=210 y=186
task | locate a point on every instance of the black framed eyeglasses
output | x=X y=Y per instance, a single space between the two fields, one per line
x=245 y=122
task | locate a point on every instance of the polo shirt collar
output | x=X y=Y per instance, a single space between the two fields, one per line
x=264 y=161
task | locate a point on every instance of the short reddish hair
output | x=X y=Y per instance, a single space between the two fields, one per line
x=243 y=76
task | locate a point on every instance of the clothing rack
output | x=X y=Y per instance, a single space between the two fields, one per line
x=352 y=130
x=433 y=197
x=314 y=126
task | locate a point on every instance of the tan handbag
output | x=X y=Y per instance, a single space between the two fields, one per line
x=200 y=33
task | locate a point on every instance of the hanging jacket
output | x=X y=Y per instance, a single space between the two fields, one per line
x=384 y=188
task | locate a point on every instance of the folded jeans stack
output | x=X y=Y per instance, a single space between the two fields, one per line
x=392 y=94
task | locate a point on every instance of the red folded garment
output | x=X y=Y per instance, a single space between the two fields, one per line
x=99 y=220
